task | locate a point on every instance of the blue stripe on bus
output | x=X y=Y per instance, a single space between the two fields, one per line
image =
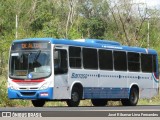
x=31 y=94
x=89 y=44
x=110 y=93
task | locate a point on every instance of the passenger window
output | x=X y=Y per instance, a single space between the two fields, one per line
x=146 y=62
x=75 y=57
x=105 y=60
x=90 y=60
x=120 y=62
x=154 y=63
x=133 y=62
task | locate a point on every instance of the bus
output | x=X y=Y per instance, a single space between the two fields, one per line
x=49 y=69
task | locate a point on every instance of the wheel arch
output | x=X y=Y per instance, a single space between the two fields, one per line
x=79 y=86
x=134 y=85
x=133 y=96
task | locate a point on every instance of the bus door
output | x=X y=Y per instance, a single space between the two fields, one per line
x=61 y=90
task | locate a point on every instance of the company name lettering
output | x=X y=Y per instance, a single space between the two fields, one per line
x=81 y=76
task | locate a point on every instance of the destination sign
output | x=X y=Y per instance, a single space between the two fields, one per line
x=33 y=45
x=21 y=72
x=30 y=45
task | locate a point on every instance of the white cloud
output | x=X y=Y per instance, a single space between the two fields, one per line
x=153 y=3
x=149 y=3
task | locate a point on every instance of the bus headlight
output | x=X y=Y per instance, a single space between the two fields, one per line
x=11 y=86
x=44 y=86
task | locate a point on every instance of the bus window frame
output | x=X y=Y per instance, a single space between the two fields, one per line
x=60 y=70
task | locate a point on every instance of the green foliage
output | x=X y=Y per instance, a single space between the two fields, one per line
x=74 y=33
x=94 y=28
x=7 y=17
x=4 y=101
x=37 y=24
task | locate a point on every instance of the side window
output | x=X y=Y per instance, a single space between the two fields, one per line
x=120 y=62
x=146 y=62
x=75 y=57
x=154 y=63
x=90 y=60
x=105 y=60
x=60 y=61
x=133 y=62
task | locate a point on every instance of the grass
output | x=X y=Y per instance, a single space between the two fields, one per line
x=154 y=101
x=5 y=102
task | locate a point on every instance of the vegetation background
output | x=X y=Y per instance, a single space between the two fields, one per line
x=130 y=23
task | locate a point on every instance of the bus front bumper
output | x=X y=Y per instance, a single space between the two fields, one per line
x=46 y=94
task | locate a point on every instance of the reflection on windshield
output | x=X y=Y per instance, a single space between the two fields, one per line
x=30 y=65
x=60 y=62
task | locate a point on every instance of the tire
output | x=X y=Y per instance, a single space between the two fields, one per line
x=75 y=98
x=38 y=103
x=99 y=102
x=133 y=98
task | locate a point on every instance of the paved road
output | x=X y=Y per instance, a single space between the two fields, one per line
x=119 y=108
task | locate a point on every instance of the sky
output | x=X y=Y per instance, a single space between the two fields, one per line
x=150 y=3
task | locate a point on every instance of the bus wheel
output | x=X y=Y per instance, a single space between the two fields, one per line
x=133 y=98
x=38 y=103
x=99 y=102
x=75 y=98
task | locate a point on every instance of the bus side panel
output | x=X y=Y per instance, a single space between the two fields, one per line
x=61 y=87
x=145 y=82
x=88 y=79
x=114 y=83
x=105 y=84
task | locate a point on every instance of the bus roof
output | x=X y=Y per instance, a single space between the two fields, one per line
x=93 y=43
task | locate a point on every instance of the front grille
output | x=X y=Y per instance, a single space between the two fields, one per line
x=32 y=88
x=22 y=88
x=28 y=93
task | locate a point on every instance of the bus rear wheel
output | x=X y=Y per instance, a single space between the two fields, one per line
x=38 y=103
x=75 y=98
x=99 y=102
x=133 y=98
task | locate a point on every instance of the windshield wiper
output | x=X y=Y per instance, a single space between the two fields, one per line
x=37 y=56
x=34 y=60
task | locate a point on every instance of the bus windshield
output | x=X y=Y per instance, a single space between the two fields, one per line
x=30 y=64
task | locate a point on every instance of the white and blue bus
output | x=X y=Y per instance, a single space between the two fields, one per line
x=48 y=69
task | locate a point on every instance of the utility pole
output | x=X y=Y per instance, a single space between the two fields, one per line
x=16 y=35
x=148 y=34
